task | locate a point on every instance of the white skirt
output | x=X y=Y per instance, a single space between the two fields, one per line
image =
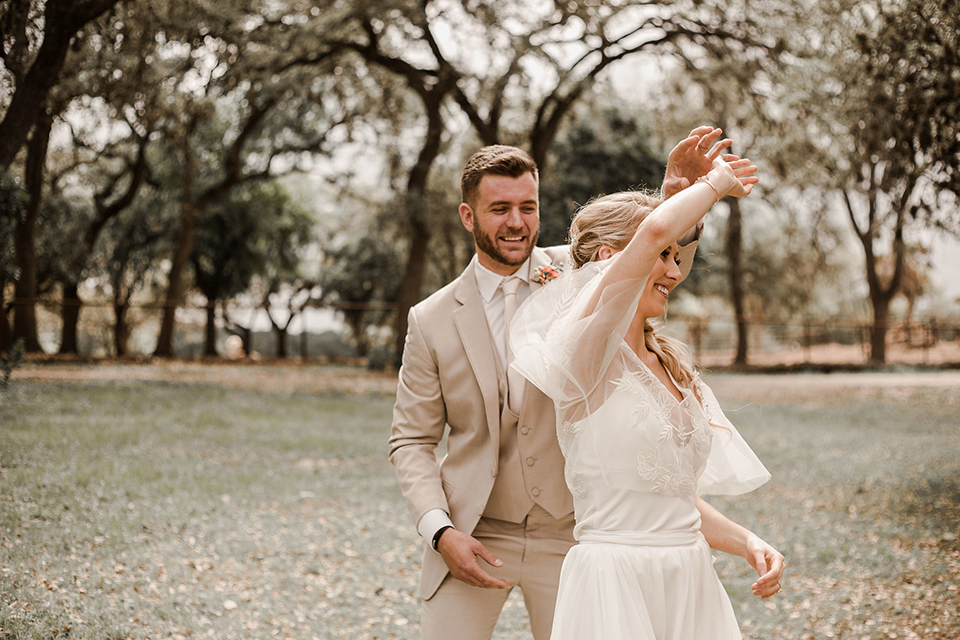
x=642 y=587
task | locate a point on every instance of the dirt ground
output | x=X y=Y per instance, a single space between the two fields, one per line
x=352 y=380
x=275 y=377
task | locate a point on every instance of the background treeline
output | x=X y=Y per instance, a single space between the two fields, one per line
x=249 y=160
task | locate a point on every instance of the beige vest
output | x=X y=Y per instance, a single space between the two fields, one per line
x=522 y=480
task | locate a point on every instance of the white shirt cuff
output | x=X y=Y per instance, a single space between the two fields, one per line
x=431 y=522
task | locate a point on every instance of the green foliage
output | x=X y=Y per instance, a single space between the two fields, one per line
x=257 y=231
x=13 y=201
x=130 y=250
x=601 y=153
x=364 y=276
x=903 y=71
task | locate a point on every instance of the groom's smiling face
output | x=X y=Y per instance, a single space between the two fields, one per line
x=504 y=220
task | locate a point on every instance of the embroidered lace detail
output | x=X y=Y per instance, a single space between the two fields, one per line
x=577 y=484
x=666 y=472
x=567 y=298
x=671 y=464
x=631 y=385
x=567 y=432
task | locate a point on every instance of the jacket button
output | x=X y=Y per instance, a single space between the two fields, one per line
x=524 y=430
x=535 y=492
x=530 y=462
x=493 y=472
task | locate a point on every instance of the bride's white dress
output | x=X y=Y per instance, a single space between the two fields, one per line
x=636 y=459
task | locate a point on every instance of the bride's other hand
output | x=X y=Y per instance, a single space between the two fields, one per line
x=691 y=158
x=733 y=176
x=769 y=565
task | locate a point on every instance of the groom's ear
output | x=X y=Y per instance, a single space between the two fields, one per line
x=466 y=216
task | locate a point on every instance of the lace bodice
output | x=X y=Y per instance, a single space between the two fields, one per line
x=625 y=438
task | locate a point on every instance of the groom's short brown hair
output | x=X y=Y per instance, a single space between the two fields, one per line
x=497 y=160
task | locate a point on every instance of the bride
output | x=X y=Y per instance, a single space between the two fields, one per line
x=643 y=438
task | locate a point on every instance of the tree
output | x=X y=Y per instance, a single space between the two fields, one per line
x=878 y=118
x=129 y=251
x=110 y=118
x=100 y=59
x=235 y=115
x=363 y=279
x=256 y=232
x=35 y=74
x=25 y=289
x=905 y=125
x=121 y=180
x=604 y=151
x=515 y=71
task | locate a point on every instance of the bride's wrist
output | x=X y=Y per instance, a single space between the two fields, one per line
x=706 y=180
x=722 y=181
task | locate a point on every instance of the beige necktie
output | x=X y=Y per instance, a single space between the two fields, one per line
x=510 y=285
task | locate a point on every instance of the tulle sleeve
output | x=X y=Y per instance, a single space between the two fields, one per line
x=558 y=346
x=732 y=467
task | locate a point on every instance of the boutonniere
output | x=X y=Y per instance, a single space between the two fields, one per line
x=546 y=273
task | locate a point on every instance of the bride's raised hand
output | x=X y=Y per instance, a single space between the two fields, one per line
x=735 y=174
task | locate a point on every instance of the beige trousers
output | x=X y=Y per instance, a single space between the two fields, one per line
x=532 y=553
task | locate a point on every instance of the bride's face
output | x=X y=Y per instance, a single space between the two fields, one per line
x=664 y=277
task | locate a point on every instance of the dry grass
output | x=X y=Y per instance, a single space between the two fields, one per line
x=247 y=501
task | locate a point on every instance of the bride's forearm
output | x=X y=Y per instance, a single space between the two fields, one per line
x=662 y=227
x=722 y=533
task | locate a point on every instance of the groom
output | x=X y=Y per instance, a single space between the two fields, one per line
x=497 y=513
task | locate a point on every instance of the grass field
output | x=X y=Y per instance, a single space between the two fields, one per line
x=152 y=509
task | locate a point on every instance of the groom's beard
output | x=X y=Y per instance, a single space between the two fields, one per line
x=488 y=245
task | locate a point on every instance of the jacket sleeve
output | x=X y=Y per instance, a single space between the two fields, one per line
x=419 y=418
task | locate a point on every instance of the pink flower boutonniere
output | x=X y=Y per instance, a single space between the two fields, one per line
x=545 y=274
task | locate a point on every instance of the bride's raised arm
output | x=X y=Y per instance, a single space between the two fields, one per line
x=567 y=334
x=673 y=218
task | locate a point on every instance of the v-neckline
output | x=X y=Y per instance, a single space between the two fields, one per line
x=683 y=396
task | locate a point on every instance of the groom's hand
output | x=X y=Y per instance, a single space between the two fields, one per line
x=460 y=551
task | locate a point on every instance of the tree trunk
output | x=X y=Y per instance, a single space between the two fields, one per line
x=415 y=205
x=412 y=285
x=5 y=334
x=735 y=255
x=878 y=332
x=25 y=313
x=210 y=331
x=304 y=337
x=70 y=314
x=281 y=334
x=121 y=330
x=188 y=226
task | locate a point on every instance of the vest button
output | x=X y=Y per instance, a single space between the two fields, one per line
x=524 y=430
x=493 y=472
x=530 y=462
x=535 y=492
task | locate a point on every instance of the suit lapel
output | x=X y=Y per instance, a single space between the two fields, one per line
x=471 y=323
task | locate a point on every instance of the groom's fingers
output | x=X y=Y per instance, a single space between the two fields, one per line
x=488 y=581
x=460 y=551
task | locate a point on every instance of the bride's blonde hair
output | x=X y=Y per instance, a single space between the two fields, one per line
x=611 y=221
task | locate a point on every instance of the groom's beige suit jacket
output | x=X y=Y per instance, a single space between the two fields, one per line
x=450 y=376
